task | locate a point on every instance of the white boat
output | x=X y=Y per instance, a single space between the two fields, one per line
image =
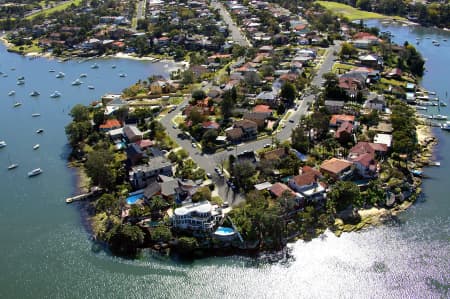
x=113 y=66
x=437 y=44
x=122 y=75
x=91 y=87
x=421 y=108
x=36 y=146
x=21 y=78
x=35 y=114
x=77 y=82
x=83 y=75
x=20 y=82
x=12 y=166
x=17 y=104
x=51 y=71
x=94 y=66
x=442 y=104
x=60 y=75
x=12 y=92
x=34 y=93
x=2 y=143
x=55 y=94
x=39 y=131
x=5 y=75
x=446 y=126
x=35 y=172
x=439 y=117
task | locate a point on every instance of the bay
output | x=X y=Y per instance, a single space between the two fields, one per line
x=46 y=252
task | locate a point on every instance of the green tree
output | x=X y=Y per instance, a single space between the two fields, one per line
x=187 y=244
x=161 y=233
x=125 y=239
x=343 y=194
x=300 y=140
x=99 y=167
x=107 y=203
x=79 y=113
x=347 y=50
x=198 y=94
x=288 y=92
x=203 y=193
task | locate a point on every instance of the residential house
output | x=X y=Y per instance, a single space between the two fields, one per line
x=351 y=86
x=334 y=106
x=383 y=139
x=134 y=153
x=110 y=124
x=114 y=104
x=152 y=189
x=132 y=133
x=144 y=144
x=268 y=97
x=364 y=154
x=375 y=102
x=308 y=185
x=140 y=175
x=234 y=134
x=160 y=87
x=338 y=119
x=263 y=109
x=249 y=128
x=344 y=133
x=372 y=60
x=210 y=124
x=338 y=169
x=278 y=189
x=258 y=117
x=201 y=216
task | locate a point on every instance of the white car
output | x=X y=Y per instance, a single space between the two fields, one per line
x=194 y=145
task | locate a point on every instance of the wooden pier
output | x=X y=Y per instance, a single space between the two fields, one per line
x=94 y=191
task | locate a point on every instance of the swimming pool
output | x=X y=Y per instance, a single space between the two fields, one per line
x=134 y=198
x=224 y=231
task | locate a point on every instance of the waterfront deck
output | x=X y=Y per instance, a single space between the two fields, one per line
x=94 y=191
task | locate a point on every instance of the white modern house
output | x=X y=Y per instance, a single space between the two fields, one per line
x=200 y=216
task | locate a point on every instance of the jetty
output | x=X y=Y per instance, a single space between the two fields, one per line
x=93 y=192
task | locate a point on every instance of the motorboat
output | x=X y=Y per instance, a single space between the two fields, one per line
x=113 y=66
x=77 y=82
x=91 y=87
x=60 y=75
x=20 y=82
x=94 y=66
x=446 y=126
x=439 y=117
x=55 y=94
x=39 y=131
x=51 y=71
x=36 y=146
x=122 y=75
x=17 y=104
x=421 y=108
x=83 y=75
x=12 y=166
x=35 y=114
x=35 y=172
x=34 y=93
x=442 y=104
x=12 y=92
x=21 y=78
x=2 y=143
x=437 y=44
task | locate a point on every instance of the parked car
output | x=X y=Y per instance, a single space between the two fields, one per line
x=194 y=145
x=208 y=175
x=267 y=145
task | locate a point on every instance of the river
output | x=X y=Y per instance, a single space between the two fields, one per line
x=46 y=252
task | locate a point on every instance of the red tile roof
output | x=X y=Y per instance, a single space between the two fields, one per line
x=304 y=179
x=335 y=118
x=111 y=124
x=335 y=166
x=262 y=108
x=308 y=169
x=144 y=143
x=363 y=147
x=344 y=127
x=210 y=125
x=279 y=188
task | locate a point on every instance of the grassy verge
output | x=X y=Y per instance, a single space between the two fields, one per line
x=352 y=13
x=56 y=8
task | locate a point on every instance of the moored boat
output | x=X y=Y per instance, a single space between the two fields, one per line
x=2 y=143
x=94 y=66
x=77 y=82
x=36 y=146
x=39 y=131
x=55 y=94
x=12 y=92
x=439 y=117
x=17 y=104
x=91 y=87
x=122 y=75
x=35 y=172
x=35 y=114
x=12 y=166
x=20 y=82
x=60 y=75
x=83 y=75
x=34 y=93
x=446 y=126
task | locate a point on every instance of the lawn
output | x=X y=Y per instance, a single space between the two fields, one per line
x=339 y=68
x=33 y=48
x=352 y=13
x=56 y=8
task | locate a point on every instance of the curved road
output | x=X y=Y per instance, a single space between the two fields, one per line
x=208 y=162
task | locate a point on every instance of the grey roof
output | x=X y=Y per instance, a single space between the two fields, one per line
x=151 y=190
x=154 y=164
x=168 y=187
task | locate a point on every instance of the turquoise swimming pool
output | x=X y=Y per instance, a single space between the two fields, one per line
x=134 y=198
x=224 y=231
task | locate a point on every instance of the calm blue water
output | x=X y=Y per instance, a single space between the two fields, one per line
x=46 y=253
